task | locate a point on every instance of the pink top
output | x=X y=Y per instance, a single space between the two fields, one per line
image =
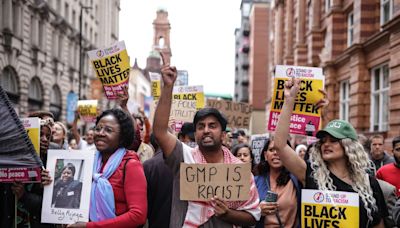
x=287 y=206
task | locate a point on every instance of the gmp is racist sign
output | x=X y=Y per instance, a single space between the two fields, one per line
x=201 y=182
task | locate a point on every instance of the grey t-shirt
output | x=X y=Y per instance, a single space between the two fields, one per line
x=179 y=207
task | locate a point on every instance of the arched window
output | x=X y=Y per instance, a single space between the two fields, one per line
x=35 y=96
x=55 y=102
x=8 y=81
x=161 y=42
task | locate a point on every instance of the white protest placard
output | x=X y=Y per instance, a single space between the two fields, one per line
x=200 y=182
x=329 y=209
x=66 y=200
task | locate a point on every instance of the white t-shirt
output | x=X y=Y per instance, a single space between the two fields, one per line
x=83 y=145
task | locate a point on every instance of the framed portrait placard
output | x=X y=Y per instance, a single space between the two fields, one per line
x=66 y=199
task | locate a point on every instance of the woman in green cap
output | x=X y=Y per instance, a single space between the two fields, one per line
x=338 y=162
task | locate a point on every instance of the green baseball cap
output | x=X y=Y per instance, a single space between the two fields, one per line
x=339 y=129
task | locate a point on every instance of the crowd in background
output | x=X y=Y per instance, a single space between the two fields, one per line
x=136 y=170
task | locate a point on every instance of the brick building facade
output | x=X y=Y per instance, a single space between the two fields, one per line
x=357 y=43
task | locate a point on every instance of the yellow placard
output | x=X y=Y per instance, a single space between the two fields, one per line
x=88 y=110
x=111 y=66
x=329 y=209
x=307 y=96
x=32 y=127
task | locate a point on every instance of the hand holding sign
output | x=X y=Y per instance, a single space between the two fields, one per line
x=324 y=102
x=220 y=207
x=46 y=178
x=18 y=189
x=123 y=97
x=169 y=73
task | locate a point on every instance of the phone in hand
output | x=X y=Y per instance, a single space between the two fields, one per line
x=271 y=197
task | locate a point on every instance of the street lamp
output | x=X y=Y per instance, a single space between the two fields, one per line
x=80 y=47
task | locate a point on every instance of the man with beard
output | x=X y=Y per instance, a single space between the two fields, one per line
x=391 y=172
x=210 y=127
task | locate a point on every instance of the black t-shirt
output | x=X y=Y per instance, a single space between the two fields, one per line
x=159 y=191
x=343 y=186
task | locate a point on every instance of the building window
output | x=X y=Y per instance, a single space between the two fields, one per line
x=35 y=95
x=42 y=34
x=344 y=100
x=350 y=29
x=73 y=18
x=66 y=12
x=58 y=6
x=55 y=102
x=328 y=5
x=386 y=10
x=60 y=46
x=16 y=17
x=33 y=31
x=8 y=81
x=380 y=98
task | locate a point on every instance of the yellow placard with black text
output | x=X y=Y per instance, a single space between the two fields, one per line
x=329 y=209
x=111 y=66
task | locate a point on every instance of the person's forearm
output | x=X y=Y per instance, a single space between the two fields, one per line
x=75 y=131
x=240 y=218
x=147 y=125
x=282 y=129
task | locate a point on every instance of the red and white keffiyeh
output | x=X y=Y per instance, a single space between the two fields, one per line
x=199 y=212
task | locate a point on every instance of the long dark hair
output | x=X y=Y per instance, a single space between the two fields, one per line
x=264 y=168
x=239 y=146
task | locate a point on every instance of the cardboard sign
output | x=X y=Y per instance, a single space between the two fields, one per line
x=238 y=114
x=257 y=144
x=155 y=79
x=200 y=182
x=329 y=209
x=88 y=110
x=111 y=66
x=306 y=117
x=32 y=127
x=67 y=201
x=25 y=175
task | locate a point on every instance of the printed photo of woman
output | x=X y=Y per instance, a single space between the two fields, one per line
x=67 y=191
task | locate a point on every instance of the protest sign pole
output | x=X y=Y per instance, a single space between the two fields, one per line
x=80 y=47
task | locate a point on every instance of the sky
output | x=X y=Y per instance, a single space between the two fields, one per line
x=202 y=37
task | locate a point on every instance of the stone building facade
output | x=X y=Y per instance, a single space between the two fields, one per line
x=40 y=45
x=357 y=43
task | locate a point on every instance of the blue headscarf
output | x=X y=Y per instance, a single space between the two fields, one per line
x=102 y=204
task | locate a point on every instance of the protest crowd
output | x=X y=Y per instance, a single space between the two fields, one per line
x=141 y=169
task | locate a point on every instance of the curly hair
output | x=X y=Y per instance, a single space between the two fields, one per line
x=263 y=167
x=357 y=163
x=127 y=132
